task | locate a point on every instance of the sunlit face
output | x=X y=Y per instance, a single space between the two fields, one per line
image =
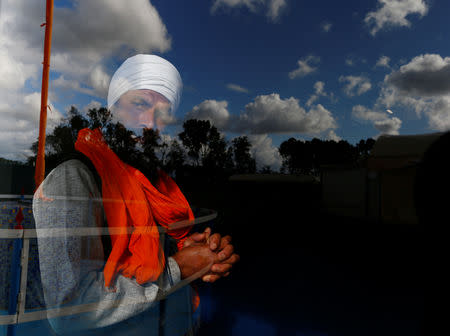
x=142 y=108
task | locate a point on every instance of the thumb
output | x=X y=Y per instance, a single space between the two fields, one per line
x=194 y=238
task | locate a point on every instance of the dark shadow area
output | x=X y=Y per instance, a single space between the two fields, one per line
x=304 y=272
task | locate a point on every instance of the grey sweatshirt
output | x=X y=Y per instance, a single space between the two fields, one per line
x=71 y=266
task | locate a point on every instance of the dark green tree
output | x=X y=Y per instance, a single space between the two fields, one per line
x=307 y=157
x=214 y=153
x=146 y=160
x=175 y=157
x=122 y=141
x=266 y=170
x=150 y=142
x=204 y=143
x=229 y=162
x=244 y=163
x=7 y=162
x=297 y=157
x=62 y=139
x=163 y=150
x=364 y=147
x=195 y=138
x=76 y=121
x=99 y=118
x=61 y=142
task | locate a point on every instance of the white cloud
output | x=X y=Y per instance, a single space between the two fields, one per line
x=87 y=33
x=356 y=85
x=85 y=37
x=383 y=61
x=422 y=85
x=388 y=126
x=266 y=114
x=391 y=13
x=70 y=84
x=363 y=113
x=319 y=87
x=19 y=126
x=304 y=67
x=271 y=114
x=92 y=105
x=439 y=114
x=144 y=27
x=380 y=120
x=13 y=73
x=319 y=91
x=32 y=107
x=237 y=88
x=326 y=26
x=19 y=111
x=273 y=8
x=99 y=80
x=391 y=96
x=333 y=136
x=264 y=152
x=425 y=75
x=165 y=117
x=214 y=111
x=252 y=5
x=166 y=138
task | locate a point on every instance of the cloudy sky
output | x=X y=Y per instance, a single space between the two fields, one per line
x=270 y=69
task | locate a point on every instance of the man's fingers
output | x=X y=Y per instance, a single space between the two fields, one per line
x=198 y=237
x=207 y=232
x=210 y=278
x=214 y=241
x=194 y=238
x=226 y=253
x=231 y=260
x=187 y=243
x=221 y=268
x=224 y=242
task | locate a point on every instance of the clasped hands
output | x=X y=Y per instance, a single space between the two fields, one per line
x=201 y=250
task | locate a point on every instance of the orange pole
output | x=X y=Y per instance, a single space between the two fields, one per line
x=39 y=173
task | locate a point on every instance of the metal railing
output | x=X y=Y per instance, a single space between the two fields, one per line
x=26 y=234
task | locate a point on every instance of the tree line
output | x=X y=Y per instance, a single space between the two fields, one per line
x=200 y=149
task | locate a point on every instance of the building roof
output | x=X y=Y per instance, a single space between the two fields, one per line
x=403 y=145
x=399 y=151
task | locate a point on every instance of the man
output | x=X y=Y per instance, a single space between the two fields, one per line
x=120 y=296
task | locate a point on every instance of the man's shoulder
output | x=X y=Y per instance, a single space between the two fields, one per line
x=76 y=163
x=73 y=164
x=71 y=169
x=71 y=177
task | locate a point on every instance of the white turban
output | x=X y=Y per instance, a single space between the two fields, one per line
x=146 y=72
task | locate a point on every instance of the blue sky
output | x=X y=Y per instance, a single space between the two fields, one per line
x=271 y=69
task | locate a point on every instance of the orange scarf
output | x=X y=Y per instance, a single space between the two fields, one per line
x=131 y=202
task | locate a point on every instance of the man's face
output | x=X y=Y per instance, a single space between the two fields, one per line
x=142 y=108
